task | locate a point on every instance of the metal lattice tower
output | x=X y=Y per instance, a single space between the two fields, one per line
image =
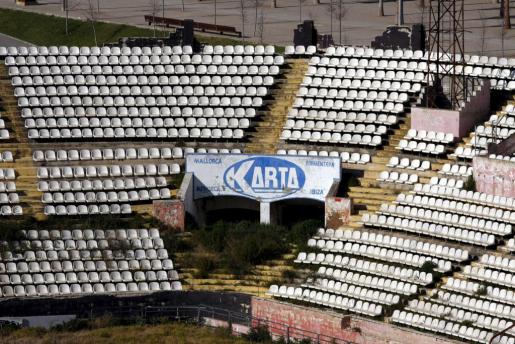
x=446 y=49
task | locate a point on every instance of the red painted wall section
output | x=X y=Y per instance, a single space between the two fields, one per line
x=337 y=211
x=171 y=213
x=458 y=123
x=345 y=328
x=494 y=177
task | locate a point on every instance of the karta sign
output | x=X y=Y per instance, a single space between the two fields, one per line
x=262 y=177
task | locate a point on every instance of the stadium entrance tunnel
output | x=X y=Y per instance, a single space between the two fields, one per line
x=227 y=208
x=291 y=211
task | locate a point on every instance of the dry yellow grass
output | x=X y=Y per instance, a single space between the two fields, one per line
x=173 y=333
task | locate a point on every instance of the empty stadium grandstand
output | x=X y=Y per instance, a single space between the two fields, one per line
x=110 y=155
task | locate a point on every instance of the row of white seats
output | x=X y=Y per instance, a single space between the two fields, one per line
x=335 y=126
x=148 y=74
x=359 y=84
x=92 y=209
x=456 y=170
x=446 y=182
x=457 y=207
x=326 y=299
x=482 y=142
x=7 y=174
x=368 y=63
x=490 y=276
x=7 y=210
x=351 y=51
x=474 y=288
x=300 y=50
x=318 y=94
x=431 y=136
x=73 y=90
x=7 y=186
x=78 y=101
x=346 y=157
x=343 y=116
x=107 y=171
x=475 y=304
x=128 y=122
x=86 y=79
x=349 y=105
x=442 y=326
x=141 y=111
x=105 y=197
x=432 y=249
x=338 y=138
x=325 y=76
x=468 y=152
x=502 y=157
x=165 y=50
x=124 y=153
x=421 y=147
x=494 y=132
x=498 y=262
x=447 y=218
x=90 y=234
x=396 y=177
x=146 y=60
x=356 y=278
x=373 y=252
x=408 y=224
x=205 y=133
x=479 y=198
x=86 y=289
x=101 y=184
x=9 y=198
x=351 y=290
x=409 y=164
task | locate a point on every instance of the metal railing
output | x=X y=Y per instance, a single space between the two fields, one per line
x=204 y=316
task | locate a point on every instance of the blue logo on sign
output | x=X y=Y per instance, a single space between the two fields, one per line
x=265 y=177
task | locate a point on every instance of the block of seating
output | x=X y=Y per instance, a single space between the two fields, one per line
x=107 y=82
x=346 y=157
x=327 y=299
x=446 y=182
x=429 y=228
x=429 y=136
x=390 y=240
x=349 y=105
x=493 y=132
x=480 y=290
x=456 y=170
x=10 y=210
x=115 y=196
x=398 y=178
x=7 y=187
x=447 y=218
x=107 y=171
x=80 y=262
x=9 y=198
x=457 y=207
x=101 y=184
x=409 y=164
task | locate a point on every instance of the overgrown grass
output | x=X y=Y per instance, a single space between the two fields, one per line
x=41 y=29
x=162 y=333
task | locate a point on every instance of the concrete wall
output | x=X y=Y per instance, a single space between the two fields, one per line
x=337 y=211
x=346 y=328
x=494 y=177
x=170 y=213
x=459 y=122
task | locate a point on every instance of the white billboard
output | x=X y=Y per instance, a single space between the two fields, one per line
x=265 y=178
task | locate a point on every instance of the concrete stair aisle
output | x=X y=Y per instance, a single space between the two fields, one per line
x=255 y=282
x=268 y=130
x=19 y=145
